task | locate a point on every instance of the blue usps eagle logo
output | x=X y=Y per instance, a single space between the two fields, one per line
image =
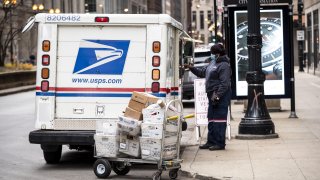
x=101 y=57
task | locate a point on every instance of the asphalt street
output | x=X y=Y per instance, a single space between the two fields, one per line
x=21 y=160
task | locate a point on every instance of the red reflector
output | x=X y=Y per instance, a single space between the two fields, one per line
x=156 y=61
x=101 y=19
x=44 y=85
x=45 y=60
x=155 y=87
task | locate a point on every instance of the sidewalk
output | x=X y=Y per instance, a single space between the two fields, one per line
x=294 y=155
x=5 y=92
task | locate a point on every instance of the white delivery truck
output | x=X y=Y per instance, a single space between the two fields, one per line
x=88 y=65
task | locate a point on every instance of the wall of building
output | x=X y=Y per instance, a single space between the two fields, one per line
x=312 y=34
x=26 y=44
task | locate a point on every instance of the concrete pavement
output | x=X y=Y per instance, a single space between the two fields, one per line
x=294 y=155
x=5 y=92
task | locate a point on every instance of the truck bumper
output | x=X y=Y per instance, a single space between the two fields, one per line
x=61 y=137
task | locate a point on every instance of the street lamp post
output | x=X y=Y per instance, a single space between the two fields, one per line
x=300 y=42
x=257 y=123
x=215 y=20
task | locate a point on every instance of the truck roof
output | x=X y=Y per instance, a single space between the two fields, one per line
x=83 y=19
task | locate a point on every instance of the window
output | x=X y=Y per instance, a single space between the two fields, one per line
x=209 y=16
x=315 y=17
x=134 y=9
x=194 y=18
x=308 y=19
x=201 y=20
x=90 y=6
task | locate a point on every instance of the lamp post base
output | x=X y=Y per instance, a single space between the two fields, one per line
x=254 y=137
x=256 y=129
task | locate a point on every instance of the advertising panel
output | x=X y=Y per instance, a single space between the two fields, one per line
x=276 y=50
x=272 y=58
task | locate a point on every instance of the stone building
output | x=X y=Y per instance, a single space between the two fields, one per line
x=25 y=44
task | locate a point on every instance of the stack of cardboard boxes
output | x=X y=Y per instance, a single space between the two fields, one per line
x=123 y=135
x=137 y=103
x=129 y=140
x=156 y=129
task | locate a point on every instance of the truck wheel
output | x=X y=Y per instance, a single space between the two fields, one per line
x=102 y=168
x=120 y=168
x=53 y=156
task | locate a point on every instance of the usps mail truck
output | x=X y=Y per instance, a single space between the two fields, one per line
x=88 y=65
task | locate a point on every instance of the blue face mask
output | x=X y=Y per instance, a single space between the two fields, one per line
x=213 y=57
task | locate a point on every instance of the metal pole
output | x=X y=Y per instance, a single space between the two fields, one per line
x=292 y=99
x=257 y=123
x=300 y=42
x=215 y=20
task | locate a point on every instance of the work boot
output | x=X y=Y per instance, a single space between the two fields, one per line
x=205 y=146
x=216 y=148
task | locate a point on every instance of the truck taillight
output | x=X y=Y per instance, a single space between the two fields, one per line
x=156 y=61
x=46 y=45
x=156 y=46
x=44 y=85
x=101 y=19
x=45 y=60
x=45 y=73
x=155 y=87
x=155 y=74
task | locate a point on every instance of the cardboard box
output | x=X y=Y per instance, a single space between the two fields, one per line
x=135 y=105
x=152 y=130
x=144 y=98
x=129 y=145
x=151 y=148
x=155 y=130
x=153 y=115
x=133 y=114
x=129 y=125
x=107 y=127
x=106 y=146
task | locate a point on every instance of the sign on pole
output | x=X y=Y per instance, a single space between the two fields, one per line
x=300 y=35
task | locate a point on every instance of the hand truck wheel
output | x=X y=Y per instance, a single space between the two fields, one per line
x=156 y=175
x=173 y=173
x=120 y=168
x=102 y=168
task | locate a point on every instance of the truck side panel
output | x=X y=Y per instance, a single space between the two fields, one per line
x=45 y=99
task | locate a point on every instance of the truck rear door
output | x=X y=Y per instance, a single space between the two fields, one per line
x=97 y=69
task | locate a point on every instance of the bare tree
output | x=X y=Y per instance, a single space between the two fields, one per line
x=7 y=32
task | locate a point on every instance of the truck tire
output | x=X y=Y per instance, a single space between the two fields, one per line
x=52 y=156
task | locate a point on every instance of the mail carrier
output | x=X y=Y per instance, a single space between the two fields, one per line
x=88 y=65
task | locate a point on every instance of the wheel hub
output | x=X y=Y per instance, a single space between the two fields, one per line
x=101 y=169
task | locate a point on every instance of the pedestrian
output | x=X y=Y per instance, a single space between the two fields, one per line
x=217 y=76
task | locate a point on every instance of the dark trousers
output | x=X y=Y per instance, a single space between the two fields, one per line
x=217 y=117
x=217 y=133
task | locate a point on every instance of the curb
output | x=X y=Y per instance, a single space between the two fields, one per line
x=196 y=175
x=9 y=91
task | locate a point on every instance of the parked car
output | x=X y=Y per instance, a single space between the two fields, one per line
x=201 y=57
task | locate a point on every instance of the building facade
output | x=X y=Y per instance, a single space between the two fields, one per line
x=312 y=49
x=25 y=45
x=203 y=20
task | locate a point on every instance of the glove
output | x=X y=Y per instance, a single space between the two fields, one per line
x=215 y=99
